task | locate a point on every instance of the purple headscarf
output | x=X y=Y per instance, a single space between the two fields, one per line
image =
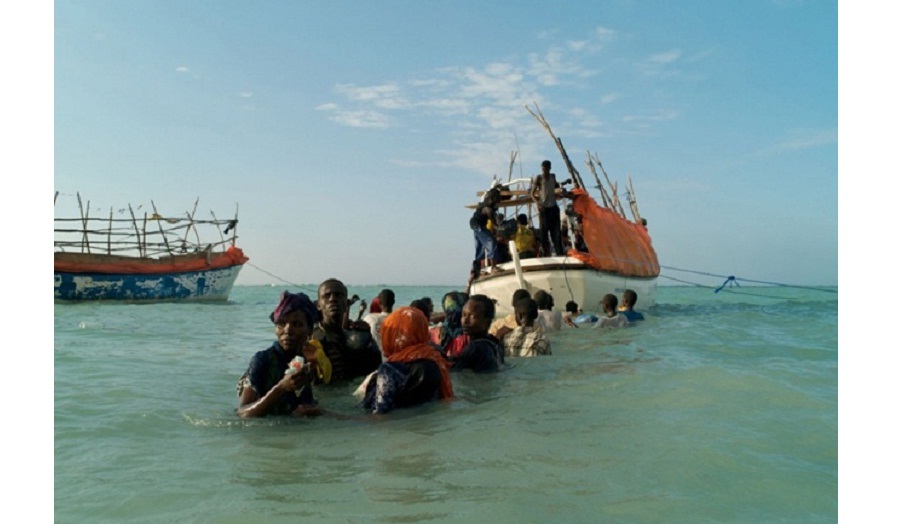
x=291 y=302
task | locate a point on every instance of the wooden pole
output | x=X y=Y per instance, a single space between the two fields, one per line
x=85 y=243
x=109 y=233
x=603 y=195
x=576 y=178
x=158 y=219
x=632 y=200
x=191 y=224
x=137 y=231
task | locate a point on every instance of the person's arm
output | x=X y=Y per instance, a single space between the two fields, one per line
x=252 y=405
x=535 y=184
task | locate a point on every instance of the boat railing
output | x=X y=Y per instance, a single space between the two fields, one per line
x=150 y=235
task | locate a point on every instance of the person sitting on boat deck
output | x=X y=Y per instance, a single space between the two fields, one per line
x=476 y=349
x=526 y=340
x=386 y=301
x=548 y=319
x=451 y=326
x=352 y=351
x=524 y=237
x=564 y=235
x=611 y=317
x=413 y=371
x=543 y=192
x=501 y=326
x=265 y=388
x=485 y=243
x=629 y=299
x=576 y=228
x=503 y=253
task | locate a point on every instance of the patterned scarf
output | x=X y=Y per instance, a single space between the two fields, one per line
x=291 y=302
x=404 y=338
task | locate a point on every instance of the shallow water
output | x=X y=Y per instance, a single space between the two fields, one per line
x=717 y=408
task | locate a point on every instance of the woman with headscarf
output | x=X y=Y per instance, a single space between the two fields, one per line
x=413 y=372
x=451 y=327
x=269 y=386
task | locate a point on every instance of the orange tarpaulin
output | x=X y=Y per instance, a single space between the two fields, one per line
x=614 y=243
x=106 y=264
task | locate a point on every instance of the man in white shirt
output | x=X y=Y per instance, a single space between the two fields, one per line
x=374 y=320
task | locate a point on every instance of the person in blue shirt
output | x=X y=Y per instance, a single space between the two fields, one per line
x=629 y=298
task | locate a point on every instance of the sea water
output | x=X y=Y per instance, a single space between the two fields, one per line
x=720 y=407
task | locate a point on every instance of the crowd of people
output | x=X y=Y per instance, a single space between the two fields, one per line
x=403 y=356
x=493 y=231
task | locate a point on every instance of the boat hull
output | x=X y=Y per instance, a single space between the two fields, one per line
x=565 y=278
x=209 y=285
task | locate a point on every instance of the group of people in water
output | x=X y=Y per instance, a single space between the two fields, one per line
x=404 y=355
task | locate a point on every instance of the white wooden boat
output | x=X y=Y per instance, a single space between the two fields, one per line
x=616 y=253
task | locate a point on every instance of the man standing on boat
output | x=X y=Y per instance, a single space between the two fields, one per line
x=543 y=192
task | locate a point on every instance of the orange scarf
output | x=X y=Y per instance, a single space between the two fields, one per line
x=404 y=338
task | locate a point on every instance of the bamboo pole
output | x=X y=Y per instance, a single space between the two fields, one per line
x=616 y=205
x=234 y=227
x=576 y=178
x=221 y=236
x=603 y=195
x=144 y=240
x=191 y=224
x=158 y=219
x=85 y=244
x=632 y=200
x=109 y=232
x=137 y=231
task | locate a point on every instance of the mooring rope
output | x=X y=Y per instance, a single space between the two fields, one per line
x=271 y=275
x=732 y=281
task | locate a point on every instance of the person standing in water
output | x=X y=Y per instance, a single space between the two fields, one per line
x=266 y=387
x=347 y=361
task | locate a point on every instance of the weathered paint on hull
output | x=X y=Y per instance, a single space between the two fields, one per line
x=565 y=278
x=208 y=285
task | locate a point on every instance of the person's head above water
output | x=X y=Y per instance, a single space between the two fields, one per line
x=294 y=318
x=332 y=302
x=477 y=315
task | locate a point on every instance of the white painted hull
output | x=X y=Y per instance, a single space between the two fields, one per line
x=565 y=278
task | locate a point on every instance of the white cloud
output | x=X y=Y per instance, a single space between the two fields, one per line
x=182 y=69
x=803 y=139
x=360 y=118
x=660 y=116
x=666 y=58
x=609 y=98
x=245 y=94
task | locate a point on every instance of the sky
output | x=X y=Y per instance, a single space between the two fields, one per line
x=350 y=136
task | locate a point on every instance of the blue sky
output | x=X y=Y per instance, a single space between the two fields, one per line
x=352 y=134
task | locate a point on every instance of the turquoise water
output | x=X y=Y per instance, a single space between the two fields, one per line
x=717 y=408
